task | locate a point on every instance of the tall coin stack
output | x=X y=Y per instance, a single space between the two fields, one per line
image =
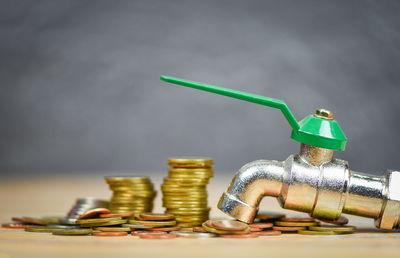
x=184 y=190
x=131 y=194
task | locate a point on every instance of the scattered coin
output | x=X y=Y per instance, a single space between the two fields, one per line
x=192 y=234
x=93 y=213
x=108 y=223
x=155 y=216
x=228 y=225
x=269 y=233
x=311 y=232
x=96 y=220
x=153 y=223
x=16 y=225
x=333 y=228
x=255 y=229
x=166 y=229
x=240 y=236
x=156 y=236
x=137 y=232
x=113 y=229
x=115 y=215
x=288 y=229
x=132 y=226
x=109 y=233
x=261 y=225
x=29 y=220
x=206 y=227
x=199 y=229
x=42 y=229
x=76 y=231
x=297 y=219
x=82 y=205
x=295 y=224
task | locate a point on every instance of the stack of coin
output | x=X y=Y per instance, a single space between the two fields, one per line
x=131 y=194
x=81 y=206
x=229 y=228
x=184 y=190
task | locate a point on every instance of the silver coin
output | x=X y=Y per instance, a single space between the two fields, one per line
x=192 y=234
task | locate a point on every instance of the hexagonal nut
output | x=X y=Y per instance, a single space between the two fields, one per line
x=390 y=213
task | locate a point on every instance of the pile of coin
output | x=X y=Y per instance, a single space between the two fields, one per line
x=184 y=190
x=131 y=194
x=307 y=225
x=81 y=206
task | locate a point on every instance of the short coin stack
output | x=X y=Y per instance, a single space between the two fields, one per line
x=184 y=191
x=81 y=206
x=131 y=194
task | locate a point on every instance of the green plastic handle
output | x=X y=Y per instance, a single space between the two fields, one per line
x=258 y=99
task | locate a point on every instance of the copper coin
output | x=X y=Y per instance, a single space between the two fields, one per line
x=228 y=225
x=240 y=236
x=288 y=229
x=108 y=233
x=340 y=221
x=94 y=213
x=269 y=216
x=297 y=219
x=29 y=220
x=166 y=229
x=199 y=229
x=16 y=225
x=116 y=215
x=269 y=233
x=155 y=216
x=156 y=236
x=256 y=229
x=261 y=225
x=138 y=232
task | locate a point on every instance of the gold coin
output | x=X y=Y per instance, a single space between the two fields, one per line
x=148 y=222
x=40 y=229
x=190 y=162
x=113 y=229
x=109 y=223
x=333 y=228
x=77 y=231
x=311 y=232
x=295 y=224
x=97 y=220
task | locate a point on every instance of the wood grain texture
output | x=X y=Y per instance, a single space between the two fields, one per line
x=54 y=195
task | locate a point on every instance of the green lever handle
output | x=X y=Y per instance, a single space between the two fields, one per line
x=258 y=99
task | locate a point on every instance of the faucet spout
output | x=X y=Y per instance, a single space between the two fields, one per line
x=251 y=183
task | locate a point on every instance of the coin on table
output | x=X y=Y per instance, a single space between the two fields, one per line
x=109 y=233
x=16 y=225
x=269 y=233
x=216 y=231
x=240 y=236
x=114 y=215
x=255 y=229
x=93 y=213
x=166 y=229
x=340 y=221
x=188 y=234
x=199 y=229
x=190 y=162
x=155 y=216
x=312 y=232
x=261 y=225
x=108 y=223
x=297 y=219
x=70 y=232
x=41 y=229
x=228 y=225
x=333 y=228
x=137 y=232
x=153 y=223
x=288 y=229
x=156 y=236
x=135 y=226
x=97 y=220
x=295 y=224
x=113 y=229
x=29 y=220
x=269 y=216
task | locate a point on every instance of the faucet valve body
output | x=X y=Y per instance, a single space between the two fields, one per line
x=314 y=183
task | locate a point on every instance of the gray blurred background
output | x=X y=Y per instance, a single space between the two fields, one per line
x=80 y=88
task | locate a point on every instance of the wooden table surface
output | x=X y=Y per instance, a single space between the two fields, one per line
x=44 y=195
